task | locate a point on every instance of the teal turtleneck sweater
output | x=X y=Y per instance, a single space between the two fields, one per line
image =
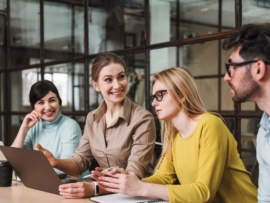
x=61 y=136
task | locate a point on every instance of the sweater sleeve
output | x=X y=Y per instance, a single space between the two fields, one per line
x=70 y=138
x=143 y=146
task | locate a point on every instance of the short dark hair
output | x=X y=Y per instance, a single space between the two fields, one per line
x=40 y=89
x=254 y=41
x=105 y=59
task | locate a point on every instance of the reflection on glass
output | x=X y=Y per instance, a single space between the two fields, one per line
x=228 y=15
x=160 y=21
x=200 y=59
x=69 y=80
x=2 y=40
x=21 y=88
x=3 y=4
x=255 y=12
x=64 y=36
x=161 y=59
x=25 y=31
x=136 y=80
x=208 y=90
x=115 y=25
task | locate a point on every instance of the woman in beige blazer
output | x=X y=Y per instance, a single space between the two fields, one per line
x=118 y=133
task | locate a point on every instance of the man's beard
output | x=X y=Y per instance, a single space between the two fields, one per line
x=247 y=89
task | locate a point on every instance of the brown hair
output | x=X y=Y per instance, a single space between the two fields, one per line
x=105 y=59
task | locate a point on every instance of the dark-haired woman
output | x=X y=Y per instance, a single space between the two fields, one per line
x=46 y=124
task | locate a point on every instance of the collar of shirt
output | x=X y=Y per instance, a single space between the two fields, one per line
x=265 y=122
x=125 y=111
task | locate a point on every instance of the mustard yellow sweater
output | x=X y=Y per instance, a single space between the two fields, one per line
x=207 y=166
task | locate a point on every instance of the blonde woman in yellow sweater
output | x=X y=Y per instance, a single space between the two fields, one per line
x=199 y=151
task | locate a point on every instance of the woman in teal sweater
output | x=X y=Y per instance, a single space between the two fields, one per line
x=47 y=125
x=199 y=151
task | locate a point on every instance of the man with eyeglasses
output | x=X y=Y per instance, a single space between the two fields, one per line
x=248 y=75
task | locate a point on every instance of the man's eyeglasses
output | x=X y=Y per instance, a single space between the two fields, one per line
x=158 y=96
x=239 y=64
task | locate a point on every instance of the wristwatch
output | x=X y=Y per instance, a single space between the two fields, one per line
x=96 y=188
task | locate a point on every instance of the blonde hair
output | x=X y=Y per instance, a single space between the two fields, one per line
x=179 y=84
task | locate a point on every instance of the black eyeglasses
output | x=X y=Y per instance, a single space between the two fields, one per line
x=158 y=95
x=239 y=64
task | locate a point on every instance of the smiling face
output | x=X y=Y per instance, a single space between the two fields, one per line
x=48 y=107
x=112 y=83
x=166 y=108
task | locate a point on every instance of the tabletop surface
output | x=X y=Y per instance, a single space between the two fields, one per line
x=18 y=193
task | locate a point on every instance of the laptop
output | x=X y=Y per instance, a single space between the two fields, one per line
x=34 y=169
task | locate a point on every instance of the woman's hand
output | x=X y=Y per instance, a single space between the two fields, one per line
x=30 y=119
x=77 y=190
x=99 y=172
x=48 y=154
x=120 y=181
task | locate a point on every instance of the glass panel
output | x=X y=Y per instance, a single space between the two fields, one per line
x=78 y=29
x=196 y=18
x=78 y=81
x=64 y=35
x=16 y=122
x=255 y=11
x=2 y=130
x=1 y=92
x=208 y=90
x=200 y=59
x=136 y=80
x=3 y=4
x=69 y=80
x=95 y=98
x=25 y=32
x=226 y=98
x=161 y=59
x=20 y=88
x=160 y=20
x=249 y=129
x=115 y=25
x=2 y=42
x=228 y=15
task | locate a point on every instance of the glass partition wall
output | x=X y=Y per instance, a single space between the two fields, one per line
x=57 y=40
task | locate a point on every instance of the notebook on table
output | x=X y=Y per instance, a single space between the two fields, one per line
x=121 y=198
x=34 y=169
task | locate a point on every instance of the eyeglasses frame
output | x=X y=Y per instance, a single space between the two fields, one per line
x=152 y=97
x=238 y=64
